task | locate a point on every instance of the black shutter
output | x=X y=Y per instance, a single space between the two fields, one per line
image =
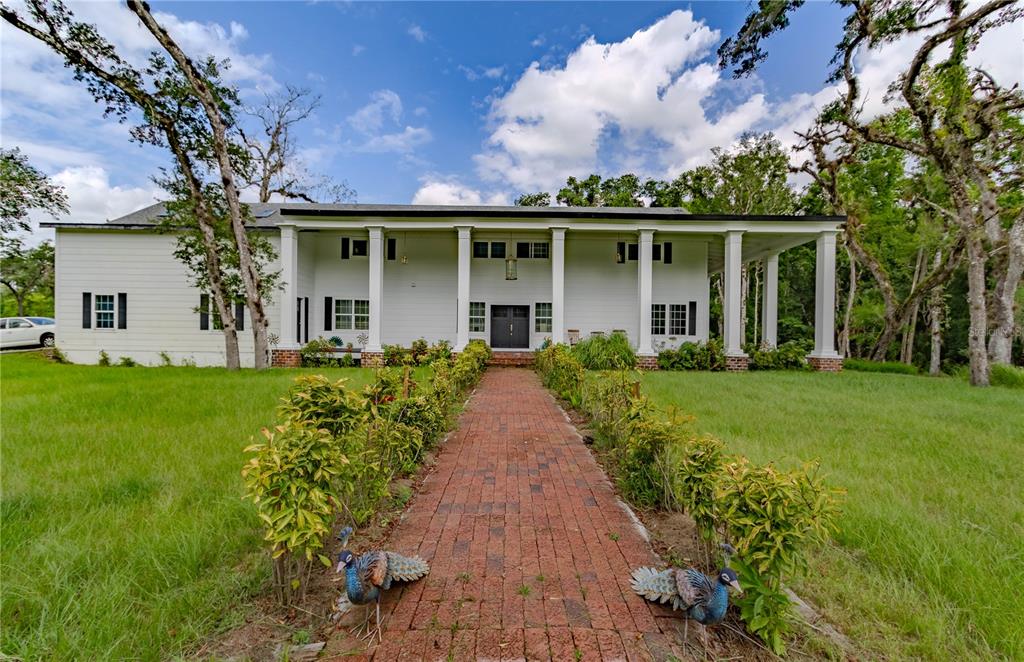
x=692 y=317
x=392 y=248
x=523 y=249
x=204 y=312
x=666 y=252
x=633 y=252
x=328 y=313
x=305 y=319
x=620 y=252
x=344 y=248
x=239 y=316
x=86 y=310
x=122 y=310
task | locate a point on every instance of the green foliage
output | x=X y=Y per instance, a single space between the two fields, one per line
x=27 y=274
x=561 y=372
x=419 y=353
x=470 y=364
x=126 y=362
x=611 y=352
x=23 y=188
x=787 y=356
x=104 y=359
x=165 y=360
x=317 y=353
x=395 y=355
x=542 y=199
x=692 y=469
x=864 y=365
x=317 y=402
x=290 y=479
x=694 y=356
x=55 y=354
x=772 y=517
x=1006 y=375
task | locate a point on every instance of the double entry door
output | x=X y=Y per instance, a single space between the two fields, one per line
x=510 y=327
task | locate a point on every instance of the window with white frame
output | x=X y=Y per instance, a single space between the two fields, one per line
x=658 y=319
x=104 y=311
x=677 y=319
x=542 y=318
x=351 y=314
x=477 y=316
x=533 y=249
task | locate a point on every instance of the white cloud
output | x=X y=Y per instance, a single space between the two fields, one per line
x=357 y=49
x=417 y=33
x=384 y=104
x=476 y=73
x=440 y=191
x=405 y=140
x=92 y=198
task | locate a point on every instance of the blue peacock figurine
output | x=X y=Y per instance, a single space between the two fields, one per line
x=701 y=598
x=367 y=576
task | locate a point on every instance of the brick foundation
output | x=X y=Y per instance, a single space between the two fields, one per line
x=825 y=364
x=736 y=363
x=285 y=358
x=371 y=359
x=647 y=362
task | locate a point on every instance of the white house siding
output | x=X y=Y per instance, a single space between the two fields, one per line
x=681 y=282
x=161 y=315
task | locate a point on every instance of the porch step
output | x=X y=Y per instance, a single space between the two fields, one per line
x=519 y=359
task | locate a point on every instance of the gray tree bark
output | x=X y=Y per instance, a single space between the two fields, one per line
x=936 y=305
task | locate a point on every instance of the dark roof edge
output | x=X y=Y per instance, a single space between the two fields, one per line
x=551 y=212
x=153 y=227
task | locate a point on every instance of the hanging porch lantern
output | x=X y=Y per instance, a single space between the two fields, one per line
x=511 y=270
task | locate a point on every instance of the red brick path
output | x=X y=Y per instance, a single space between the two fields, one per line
x=530 y=550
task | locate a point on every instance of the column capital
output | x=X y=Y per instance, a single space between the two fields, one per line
x=646 y=234
x=375 y=230
x=558 y=232
x=464 y=230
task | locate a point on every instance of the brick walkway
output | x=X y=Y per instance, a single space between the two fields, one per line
x=530 y=549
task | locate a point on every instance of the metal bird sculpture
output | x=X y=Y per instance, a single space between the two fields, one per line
x=367 y=576
x=702 y=598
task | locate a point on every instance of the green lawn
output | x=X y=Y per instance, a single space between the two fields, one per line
x=930 y=559
x=124 y=533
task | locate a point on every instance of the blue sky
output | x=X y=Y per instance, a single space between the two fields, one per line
x=445 y=102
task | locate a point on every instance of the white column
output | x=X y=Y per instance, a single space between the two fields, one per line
x=465 y=248
x=646 y=282
x=376 y=293
x=290 y=286
x=731 y=305
x=770 y=310
x=825 y=297
x=557 y=285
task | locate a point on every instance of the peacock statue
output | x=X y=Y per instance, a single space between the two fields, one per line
x=367 y=576
x=701 y=598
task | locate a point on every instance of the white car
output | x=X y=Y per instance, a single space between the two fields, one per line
x=27 y=331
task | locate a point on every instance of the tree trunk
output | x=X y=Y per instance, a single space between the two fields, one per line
x=250 y=275
x=851 y=295
x=935 y=310
x=1000 y=344
x=17 y=298
x=977 y=353
x=907 y=346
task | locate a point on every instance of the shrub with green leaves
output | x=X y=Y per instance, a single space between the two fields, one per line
x=317 y=353
x=601 y=352
x=291 y=480
x=787 y=356
x=561 y=372
x=470 y=364
x=693 y=468
x=1006 y=375
x=395 y=355
x=772 y=518
x=318 y=402
x=694 y=356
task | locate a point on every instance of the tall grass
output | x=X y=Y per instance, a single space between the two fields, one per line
x=123 y=532
x=928 y=560
x=605 y=352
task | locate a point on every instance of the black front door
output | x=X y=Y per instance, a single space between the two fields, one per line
x=510 y=327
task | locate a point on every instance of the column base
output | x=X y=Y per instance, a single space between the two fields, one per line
x=825 y=363
x=737 y=363
x=285 y=358
x=647 y=362
x=368 y=359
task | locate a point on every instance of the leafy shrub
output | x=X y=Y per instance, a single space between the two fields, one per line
x=864 y=365
x=787 y=356
x=419 y=351
x=772 y=517
x=562 y=372
x=290 y=479
x=165 y=360
x=126 y=362
x=395 y=355
x=56 y=355
x=317 y=353
x=1006 y=375
x=470 y=364
x=385 y=387
x=104 y=359
x=694 y=356
x=605 y=352
x=317 y=402
x=439 y=351
x=692 y=469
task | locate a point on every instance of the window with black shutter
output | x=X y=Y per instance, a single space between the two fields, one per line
x=239 y=316
x=656 y=252
x=693 y=318
x=328 y=313
x=633 y=252
x=122 y=310
x=666 y=253
x=86 y=310
x=522 y=249
x=392 y=248
x=345 y=248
